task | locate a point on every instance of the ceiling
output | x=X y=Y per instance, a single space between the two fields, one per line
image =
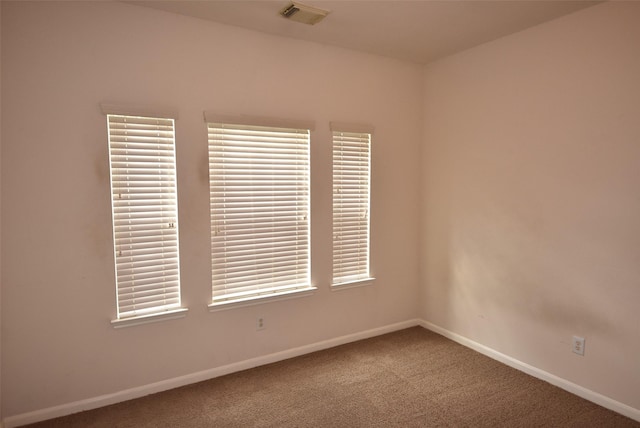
x=419 y=31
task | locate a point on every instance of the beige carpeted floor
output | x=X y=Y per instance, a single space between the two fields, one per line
x=410 y=378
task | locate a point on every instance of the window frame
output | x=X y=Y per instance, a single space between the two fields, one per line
x=158 y=204
x=255 y=291
x=361 y=274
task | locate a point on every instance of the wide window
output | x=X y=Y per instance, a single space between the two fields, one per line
x=145 y=215
x=259 y=202
x=351 y=199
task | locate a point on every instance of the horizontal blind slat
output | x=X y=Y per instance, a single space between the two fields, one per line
x=238 y=293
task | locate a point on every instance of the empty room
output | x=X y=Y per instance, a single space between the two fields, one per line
x=327 y=213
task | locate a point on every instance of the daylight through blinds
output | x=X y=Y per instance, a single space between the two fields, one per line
x=145 y=217
x=259 y=203
x=351 y=181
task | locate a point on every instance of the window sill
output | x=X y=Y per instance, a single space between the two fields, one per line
x=257 y=300
x=145 y=319
x=352 y=284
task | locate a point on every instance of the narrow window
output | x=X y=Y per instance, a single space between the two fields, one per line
x=145 y=215
x=259 y=202
x=351 y=198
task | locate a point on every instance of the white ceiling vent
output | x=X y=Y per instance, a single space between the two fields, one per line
x=302 y=13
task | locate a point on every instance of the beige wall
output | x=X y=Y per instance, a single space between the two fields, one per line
x=528 y=204
x=0 y=214
x=59 y=61
x=531 y=208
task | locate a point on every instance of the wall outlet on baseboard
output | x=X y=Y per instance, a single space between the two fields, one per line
x=260 y=325
x=578 y=345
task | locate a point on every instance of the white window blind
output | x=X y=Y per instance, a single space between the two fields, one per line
x=145 y=214
x=259 y=188
x=351 y=190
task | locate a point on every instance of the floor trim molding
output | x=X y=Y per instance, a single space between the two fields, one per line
x=141 y=391
x=571 y=387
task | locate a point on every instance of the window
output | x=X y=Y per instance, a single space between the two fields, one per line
x=351 y=194
x=259 y=201
x=145 y=216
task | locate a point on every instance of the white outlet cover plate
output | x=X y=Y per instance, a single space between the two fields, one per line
x=578 y=345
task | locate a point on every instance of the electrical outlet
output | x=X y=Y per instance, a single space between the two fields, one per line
x=578 y=345
x=260 y=325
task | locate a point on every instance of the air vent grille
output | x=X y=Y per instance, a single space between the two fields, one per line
x=302 y=13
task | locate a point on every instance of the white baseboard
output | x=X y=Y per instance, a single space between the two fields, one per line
x=571 y=387
x=132 y=393
x=141 y=391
